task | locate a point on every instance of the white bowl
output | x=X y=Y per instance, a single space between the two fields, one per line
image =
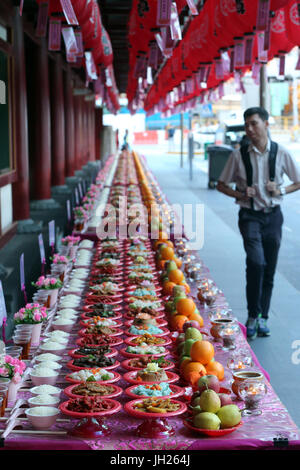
x=40 y=380
x=37 y=391
x=40 y=358
x=39 y=421
x=53 y=404
x=67 y=327
x=58 y=352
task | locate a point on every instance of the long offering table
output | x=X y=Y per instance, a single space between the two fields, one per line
x=272 y=429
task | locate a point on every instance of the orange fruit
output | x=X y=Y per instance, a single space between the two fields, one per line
x=215 y=368
x=167 y=252
x=196 y=317
x=176 y=276
x=161 y=263
x=186 y=287
x=202 y=351
x=178 y=261
x=193 y=367
x=168 y=287
x=157 y=243
x=185 y=306
x=163 y=235
x=177 y=322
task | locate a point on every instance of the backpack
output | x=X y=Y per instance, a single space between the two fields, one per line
x=246 y=160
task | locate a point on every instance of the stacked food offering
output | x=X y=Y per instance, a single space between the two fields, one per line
x=128 y=327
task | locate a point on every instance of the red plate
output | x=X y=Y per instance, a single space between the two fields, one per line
x=131 y=378
x=72 y=353
x=129 y=407
x=76 y=368
x=132 y=355
x=118 y=315
x=160 y=322
x=166 y=332
x=116 y=393
x=177 y=392
x=118 y=324
x=89 y=308
x=159 y=309
x=83 y=333
x=164 y=341
x=126 y=365
x=116 y=407
x=211 y=432
x=127 y=315
x=115 y=378
x=91 y=301
x=114 y=343
x=134 y=287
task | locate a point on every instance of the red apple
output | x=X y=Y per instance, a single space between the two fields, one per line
x=225 y=399
x=191 y=324
x=208 y=381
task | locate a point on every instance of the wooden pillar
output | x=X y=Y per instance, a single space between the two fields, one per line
x=98 y=129
x=92 y=131
x=57 y=122
x=42 y=156
x=21 y=187
x=69 y=124
x=78 y=131
x=85 y=147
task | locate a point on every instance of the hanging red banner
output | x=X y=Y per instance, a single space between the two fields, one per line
x=192 y=7
x=79 y=43
x=42 y=19
x=263 y=11
x=163 y=12
x=69 y=12
x=54 y=38
x=174 y=24
x=248 y=48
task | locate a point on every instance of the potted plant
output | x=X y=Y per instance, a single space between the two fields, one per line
x=51 y=284
x=32 y=314
x=12 y=368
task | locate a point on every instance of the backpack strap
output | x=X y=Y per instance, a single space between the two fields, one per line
x=248 y=167
x=272 y=160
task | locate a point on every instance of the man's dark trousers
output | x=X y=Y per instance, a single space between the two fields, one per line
x=261 y=234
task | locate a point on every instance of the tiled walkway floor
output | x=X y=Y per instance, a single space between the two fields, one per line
x=223 y=254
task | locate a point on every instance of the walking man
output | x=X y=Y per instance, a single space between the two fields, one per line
x=257 y=168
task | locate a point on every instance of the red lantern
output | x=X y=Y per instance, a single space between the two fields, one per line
x=292 y=22
x=279 y=40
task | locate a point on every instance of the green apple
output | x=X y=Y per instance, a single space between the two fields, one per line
x=193 y=333
x=210 y=401
x=229 y=415
x=206 y=420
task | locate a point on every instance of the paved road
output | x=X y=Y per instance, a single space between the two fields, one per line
x=224 y=255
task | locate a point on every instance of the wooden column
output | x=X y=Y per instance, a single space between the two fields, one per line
x=85 y=147
x=92 y=131
x=98 y=129
x=57 y=122
x=21 y=187
x=42 y=157
x=78 y=131
x=69 y=124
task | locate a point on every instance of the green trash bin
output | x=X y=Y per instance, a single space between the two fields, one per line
x=206 y=145
x=218 y=156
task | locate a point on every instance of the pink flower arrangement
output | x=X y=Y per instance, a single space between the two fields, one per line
x=70 y=240
x=47 y=283
x=80 y=213
x=31 y=313
x=12 y=368
x=60 y=259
